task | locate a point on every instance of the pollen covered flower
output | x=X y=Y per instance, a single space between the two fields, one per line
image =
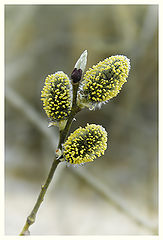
x=85 y=144
x=103 y=81
x=57 y=98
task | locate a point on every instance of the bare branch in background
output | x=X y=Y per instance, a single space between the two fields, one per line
x=19 y=103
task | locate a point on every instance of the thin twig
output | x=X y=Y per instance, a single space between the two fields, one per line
x=63 y=134
x=31 y=218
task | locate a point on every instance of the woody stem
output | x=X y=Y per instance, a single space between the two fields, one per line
x=63 y=134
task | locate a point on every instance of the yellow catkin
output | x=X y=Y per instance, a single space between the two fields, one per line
x=85 y=144
x=57 y=96
x=104 y=80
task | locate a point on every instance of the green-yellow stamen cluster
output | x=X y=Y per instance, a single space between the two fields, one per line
x=85 y=144
x=104 y=80
x=57 y=96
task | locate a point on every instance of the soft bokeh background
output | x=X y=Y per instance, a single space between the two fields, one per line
x=117 y=194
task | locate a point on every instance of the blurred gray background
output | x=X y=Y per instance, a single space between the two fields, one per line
x=117 y=193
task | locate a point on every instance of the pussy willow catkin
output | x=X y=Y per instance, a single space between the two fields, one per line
x=85 y=144
x=103 y=81
x=57 y=97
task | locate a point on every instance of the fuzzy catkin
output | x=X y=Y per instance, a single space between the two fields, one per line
x=57 y=96
x=85 y=144
x=103 y=81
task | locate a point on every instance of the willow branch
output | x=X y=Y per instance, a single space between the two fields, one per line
x=63 y=134
x=31 y=218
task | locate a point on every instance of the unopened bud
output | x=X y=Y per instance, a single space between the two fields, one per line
x=79 y=67
x=76 y=75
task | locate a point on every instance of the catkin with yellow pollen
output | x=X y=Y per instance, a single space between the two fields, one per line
x=85 y=144
x=57 y=98
x=103 y=81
